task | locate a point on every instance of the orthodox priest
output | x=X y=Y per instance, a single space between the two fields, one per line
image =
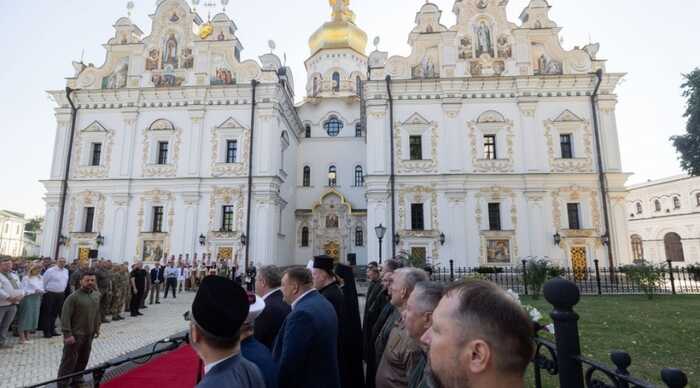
x=327 y=284
x=353 y=325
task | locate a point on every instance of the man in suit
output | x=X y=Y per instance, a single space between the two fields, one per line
x=306 y=348
x=157 y=278
x=268 y=323
x=218 y=311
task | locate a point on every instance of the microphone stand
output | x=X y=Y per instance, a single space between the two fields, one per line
x=99 y=371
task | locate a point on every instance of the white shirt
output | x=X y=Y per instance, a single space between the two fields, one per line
x=209 y=367
x=33 y=285
x=55 y=279
x=271 y=292
x=299 y=298
x=7 y=290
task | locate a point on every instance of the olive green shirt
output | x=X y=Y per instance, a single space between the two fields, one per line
x=81 y=314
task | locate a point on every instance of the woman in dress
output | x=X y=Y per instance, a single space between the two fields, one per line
x=28 y=317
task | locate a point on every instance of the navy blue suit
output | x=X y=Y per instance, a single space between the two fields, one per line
x=234 y=372
x=306 y=348
x=261 y=356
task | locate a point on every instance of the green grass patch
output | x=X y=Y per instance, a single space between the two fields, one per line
x=658 y=333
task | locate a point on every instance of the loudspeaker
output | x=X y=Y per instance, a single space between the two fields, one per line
x=352 y=259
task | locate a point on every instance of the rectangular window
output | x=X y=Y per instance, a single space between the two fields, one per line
x=358 y=130
x=417 y=216
x=416 y=147
x=567 y=150
x=227 y=219
x=572 y=210
x=495 y=216
x=157 y=219
x=162 y=152
x=490 y=147
x=231 y=151
x=96 y=154
x=697 y=198
x=359 y=237
x=89 y=219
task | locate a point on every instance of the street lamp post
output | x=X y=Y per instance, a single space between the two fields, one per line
x=380 y=230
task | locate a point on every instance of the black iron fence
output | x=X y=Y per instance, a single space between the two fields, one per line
x=562 y=358
x=596 y=280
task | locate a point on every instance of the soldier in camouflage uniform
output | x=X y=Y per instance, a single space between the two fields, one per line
x=119 y=289
x=104 y=284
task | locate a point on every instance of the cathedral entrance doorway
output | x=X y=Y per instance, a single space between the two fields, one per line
x=332 y=249
x=579 y=263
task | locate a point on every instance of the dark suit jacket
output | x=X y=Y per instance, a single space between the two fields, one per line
x=234 y=372
x=158 y=274
x=268 y=323
x=306 y=348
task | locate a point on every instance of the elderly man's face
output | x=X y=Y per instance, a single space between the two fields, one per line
x=387 y=279
x=6 y=266
x=415 y=320
x=397 y=290
x=446 y=343
x=289 y=290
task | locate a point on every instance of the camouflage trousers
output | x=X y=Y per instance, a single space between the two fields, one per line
x=105 y=304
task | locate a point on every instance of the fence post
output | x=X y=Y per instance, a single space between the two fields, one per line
x=452 y=270
x=597 y=275
x=670 y=274
x=525 y=276
x=563 y=295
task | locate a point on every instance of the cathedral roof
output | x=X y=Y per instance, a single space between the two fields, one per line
x=340 y=32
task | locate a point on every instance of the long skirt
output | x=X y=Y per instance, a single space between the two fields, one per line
x=28 y=317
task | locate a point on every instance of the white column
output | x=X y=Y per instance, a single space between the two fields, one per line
x=195 y=142
x=619 y=229
x=129 y=134
x=456 y=239
x=50 y=232
x=536 y=224
x=121 y=223
x=377 y=140
x=452 y=138
x=609 y=139
x=533 y=151
x=60 y=148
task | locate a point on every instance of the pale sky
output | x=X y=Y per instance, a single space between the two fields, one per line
x=653 y=42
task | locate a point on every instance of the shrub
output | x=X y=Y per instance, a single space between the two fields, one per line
x=694 y=270
x=647 y=276
x=489 y=270
x=538 y=272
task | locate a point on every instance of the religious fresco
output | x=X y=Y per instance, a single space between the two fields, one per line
x=117 y=79
x=332 y=221
x=170 y=52
x=484 y=43
x=167 y=78
x=223 y=76
x=187 y=59
x=546 y=66
x=498 y=252
x=153 y=60
x=505 y=49
x=152 y=250
x=465 y=48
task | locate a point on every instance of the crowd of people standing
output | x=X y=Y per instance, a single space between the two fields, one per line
x=413 y=332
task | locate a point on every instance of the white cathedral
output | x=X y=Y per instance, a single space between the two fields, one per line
x=488 y=144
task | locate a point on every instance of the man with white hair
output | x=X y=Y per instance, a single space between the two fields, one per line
x=417 y=318
x=401 y=353
x=252 y=349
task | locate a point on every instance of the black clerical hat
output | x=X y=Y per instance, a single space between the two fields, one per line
x=220 y=307
x=325 y=263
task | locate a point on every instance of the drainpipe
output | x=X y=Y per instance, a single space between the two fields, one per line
x=601 y=171
x=64 y=189
x=254 y=85
x=392 y=176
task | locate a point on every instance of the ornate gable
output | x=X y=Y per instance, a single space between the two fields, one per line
x=231 y=123
x=567 y=116
x=95 y=127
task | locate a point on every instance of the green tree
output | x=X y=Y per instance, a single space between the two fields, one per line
x=34 y=224
x=688 y=145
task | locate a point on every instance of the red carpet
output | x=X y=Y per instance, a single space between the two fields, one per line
x=176 y=369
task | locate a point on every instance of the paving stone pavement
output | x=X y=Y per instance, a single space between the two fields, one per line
x=38 y=361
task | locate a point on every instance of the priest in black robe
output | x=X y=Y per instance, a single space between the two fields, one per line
x=327 y=285
x=353 y=326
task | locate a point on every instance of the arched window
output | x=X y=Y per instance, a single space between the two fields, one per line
x=359 y=237
x=637 y=248
x=674 y=247
x=358 y=85
x=639 y=208
x=697 y=198
x=332 y=176
x=336 y=82
x=359 y=177
x=358 y=130
x=305 y=236
x=306 y=180
x=307 y=131
x=657 y=205
x=676 y=203
x=333 y=126
x=316 y=86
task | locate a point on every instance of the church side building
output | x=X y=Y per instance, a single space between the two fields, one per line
x=483 y=146
x=664 y=220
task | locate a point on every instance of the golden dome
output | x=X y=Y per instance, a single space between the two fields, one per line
x=341 y=32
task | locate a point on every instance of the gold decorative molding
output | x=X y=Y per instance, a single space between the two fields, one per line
x=416 y=122
x=230 y=196
x=490 y=194
x=175 y=138
x=221 y=169
x=576 y=193
x=420 y=193
x=492 y=122
x=106 y=138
